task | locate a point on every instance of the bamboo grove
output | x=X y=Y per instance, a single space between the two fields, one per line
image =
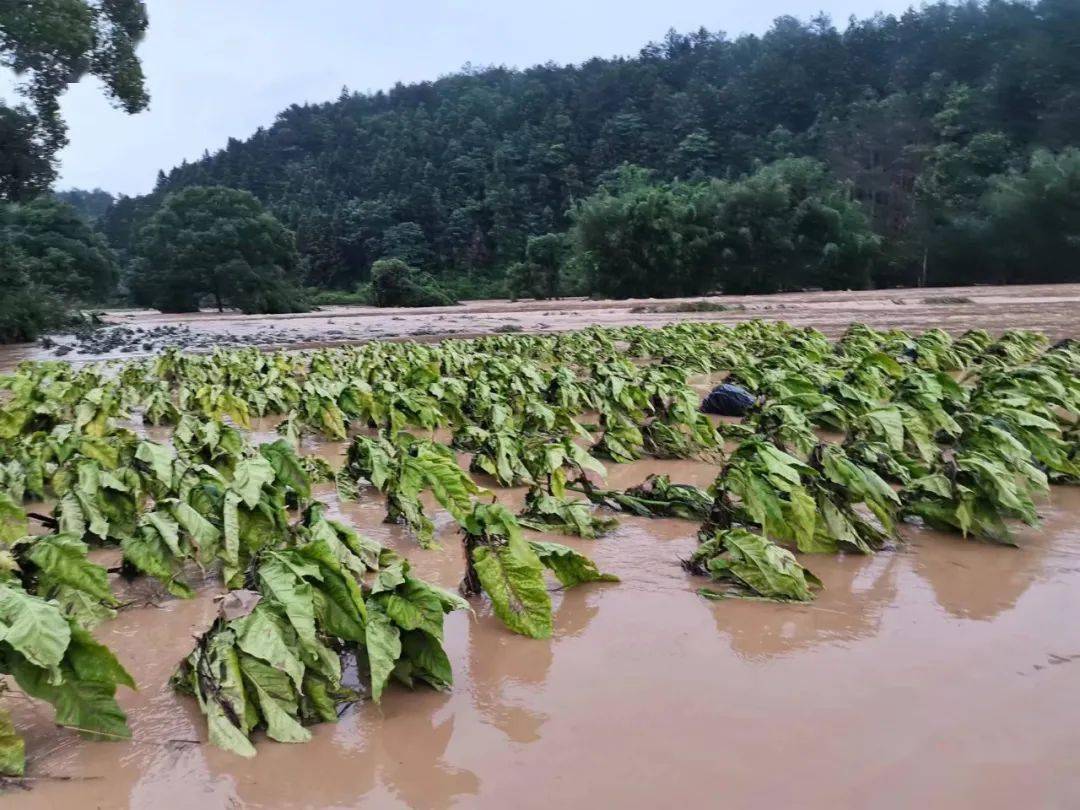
x=962 y=434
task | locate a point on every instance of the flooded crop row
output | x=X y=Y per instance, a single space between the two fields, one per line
x=937 y=671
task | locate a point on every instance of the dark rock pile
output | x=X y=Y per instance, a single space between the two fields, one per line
x=114 y=340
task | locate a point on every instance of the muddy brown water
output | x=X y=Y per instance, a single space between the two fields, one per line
x=1051 y=309
x=940 y=674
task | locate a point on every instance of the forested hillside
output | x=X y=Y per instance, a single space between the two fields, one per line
x=916 y=111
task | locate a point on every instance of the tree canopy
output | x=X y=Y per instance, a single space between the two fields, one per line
x=27 y=308
x=60 y=251
x=26 y=167
x=788 y=225
x=218 y=243
x=51 y=44
x=395 y=284
x=1034 y=211
x=917 y=112
x=540 y=275
x=933 y=147
x=50 y=259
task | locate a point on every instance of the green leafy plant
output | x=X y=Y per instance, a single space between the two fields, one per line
x=502 y=564
x=404 y=467
x=656 y=496
x=53 y=658
x=551 y=513
x=273 y=660
x=750 y=564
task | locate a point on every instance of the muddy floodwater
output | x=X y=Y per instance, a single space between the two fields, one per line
x=1051 y=309
x=942 y=673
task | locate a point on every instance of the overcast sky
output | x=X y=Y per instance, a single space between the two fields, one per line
x=221 y=68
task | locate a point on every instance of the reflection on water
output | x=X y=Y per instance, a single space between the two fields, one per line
x=497 y=670
x=976 y=580
x=413 y=763
x=857 y=592
x=504 y=672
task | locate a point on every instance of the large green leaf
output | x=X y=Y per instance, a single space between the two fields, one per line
x=82 y=690
x=753 y=562
x=13 y=523
x=263 y=635
x=33 y=627
x=284 y=584
x=276 y=700
x=569 y=567
x=62 y=559
x=287 y=467
x=159 y=458
x=383 y=645
x=251 y=475
x=511 y=575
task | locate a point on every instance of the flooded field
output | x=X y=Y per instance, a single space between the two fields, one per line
x=940 y=673
x=1050 y=309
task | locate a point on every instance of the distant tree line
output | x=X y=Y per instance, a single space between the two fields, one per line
x=920 y=118
x=934 y=147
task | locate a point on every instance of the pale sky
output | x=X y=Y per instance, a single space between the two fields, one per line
x=221 y=68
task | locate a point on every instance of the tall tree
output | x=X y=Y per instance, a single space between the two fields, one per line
x=51 y=44
x=26 y=167
x=27 y=307
x=219 y=243
x=1031 y=227
x=61 y=252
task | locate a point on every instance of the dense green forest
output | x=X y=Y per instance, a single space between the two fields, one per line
x=929 y=120
x=934 y=147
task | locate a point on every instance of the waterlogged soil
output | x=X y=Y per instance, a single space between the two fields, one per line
x=941 y=673
x=1049 y=308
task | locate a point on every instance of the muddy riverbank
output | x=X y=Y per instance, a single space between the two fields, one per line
x=1048 y=308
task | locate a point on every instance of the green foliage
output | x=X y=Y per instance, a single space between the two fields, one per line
x=362 y=296
x=974 y=428
x=656 y=496
x=61 y=251
x=785 y=226
x=49 y=258
x=89 y=205
x=538 y=276
x=274 y=658
x=973 y=494
x=913 y=114
x=54 y=44
x=1031 y=231
x=26 y=310
x=790 y=225
x=550 y=513
x=752 y=565
x=405 y=466
x=26 y=168
x=396 y=284
x=211 y=241
x=510 y=570
x=52 y=658
x=648 y=240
